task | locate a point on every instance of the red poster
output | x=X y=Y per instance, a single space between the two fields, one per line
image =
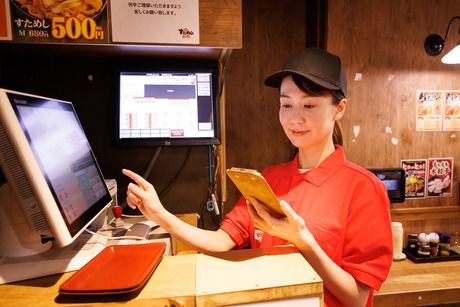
x=53 y=21
x=415 y=177
x=440 y=175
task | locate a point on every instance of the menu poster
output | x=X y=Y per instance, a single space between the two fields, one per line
x=54 y=21
x=440 y=175
x=451 y=111
x=429 y=113
x=5 y=26
x=415 y=177
x=155 y=21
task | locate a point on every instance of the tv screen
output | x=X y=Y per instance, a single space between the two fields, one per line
x=167 y=107
x=394 y=181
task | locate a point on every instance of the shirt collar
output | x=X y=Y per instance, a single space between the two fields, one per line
x=328 y=167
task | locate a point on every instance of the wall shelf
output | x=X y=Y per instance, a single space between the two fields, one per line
x=220 y=29
x=425 y=213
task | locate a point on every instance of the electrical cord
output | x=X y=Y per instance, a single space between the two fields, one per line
x=132 y=215
x=152 y=163
x=168 y=187
x=210 y=205
x=116 y=238
x=202 y=214
x=212 y=188
x=147 y=172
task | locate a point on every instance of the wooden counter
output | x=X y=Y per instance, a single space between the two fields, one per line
x=235 y=277
x=172 y=282
x=246 y=276
x=412 y=284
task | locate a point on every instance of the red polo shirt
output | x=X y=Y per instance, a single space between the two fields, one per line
x=344 y=206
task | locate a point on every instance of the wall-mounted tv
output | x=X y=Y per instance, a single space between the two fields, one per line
x=394 y=180
x=167 y=106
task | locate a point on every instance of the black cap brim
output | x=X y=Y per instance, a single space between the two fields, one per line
x=274 y=80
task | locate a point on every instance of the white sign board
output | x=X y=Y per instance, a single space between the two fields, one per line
x=155 y=21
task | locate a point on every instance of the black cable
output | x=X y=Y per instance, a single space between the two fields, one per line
x=202 y=214
x=216 y=219
x=3 y=179
x=152 y=162
x=168 y=187
x=212 y=188
x=215 y=212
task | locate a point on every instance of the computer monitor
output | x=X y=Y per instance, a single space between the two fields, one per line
x=395 y=182
x=55 y=187
x=167 y=106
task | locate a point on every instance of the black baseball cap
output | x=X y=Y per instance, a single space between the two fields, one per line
x=322 y=68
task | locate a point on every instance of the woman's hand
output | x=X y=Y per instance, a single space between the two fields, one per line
x=290 y=228
x=142 y=195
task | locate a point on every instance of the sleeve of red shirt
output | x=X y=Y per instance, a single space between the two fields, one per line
x=368 y=249
x=236 y=222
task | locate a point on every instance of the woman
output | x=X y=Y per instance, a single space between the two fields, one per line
x=337 y=213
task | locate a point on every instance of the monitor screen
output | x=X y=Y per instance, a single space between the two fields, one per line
x=55 y=156
x=394 y=181
x=167 y=107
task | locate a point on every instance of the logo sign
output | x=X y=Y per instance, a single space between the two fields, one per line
x=154 y=21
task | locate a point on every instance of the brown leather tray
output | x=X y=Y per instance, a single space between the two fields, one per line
x=117 y=269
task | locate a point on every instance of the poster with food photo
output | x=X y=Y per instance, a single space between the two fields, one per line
x=415 y=172
x=451 y=119
x=429 y=110
x=59 y=21
x=439 y=177
x=5 y=25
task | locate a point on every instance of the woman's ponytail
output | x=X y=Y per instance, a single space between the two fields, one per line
x=337 y=134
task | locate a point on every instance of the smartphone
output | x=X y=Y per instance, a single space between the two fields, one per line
x=251 y=183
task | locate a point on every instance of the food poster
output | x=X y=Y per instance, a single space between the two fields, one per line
x=59 y=21
x=415 y=171
x=440 y=176
x=5 y=25
x=429 y=110
x=451 y=120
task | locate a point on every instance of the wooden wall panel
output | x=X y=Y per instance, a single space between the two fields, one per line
x=220 y=23
x=255 y=138
x=383 y=41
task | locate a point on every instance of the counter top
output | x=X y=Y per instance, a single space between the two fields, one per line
x=411 y=284
x=251 y=275
x=234 y=277
x=172 y=282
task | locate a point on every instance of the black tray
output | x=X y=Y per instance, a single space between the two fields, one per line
x=414 y=257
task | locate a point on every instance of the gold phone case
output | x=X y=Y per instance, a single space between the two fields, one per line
x=251 y=183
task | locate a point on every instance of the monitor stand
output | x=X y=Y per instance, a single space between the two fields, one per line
x=53 y=261
x=23 y=255
x=17 y=239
